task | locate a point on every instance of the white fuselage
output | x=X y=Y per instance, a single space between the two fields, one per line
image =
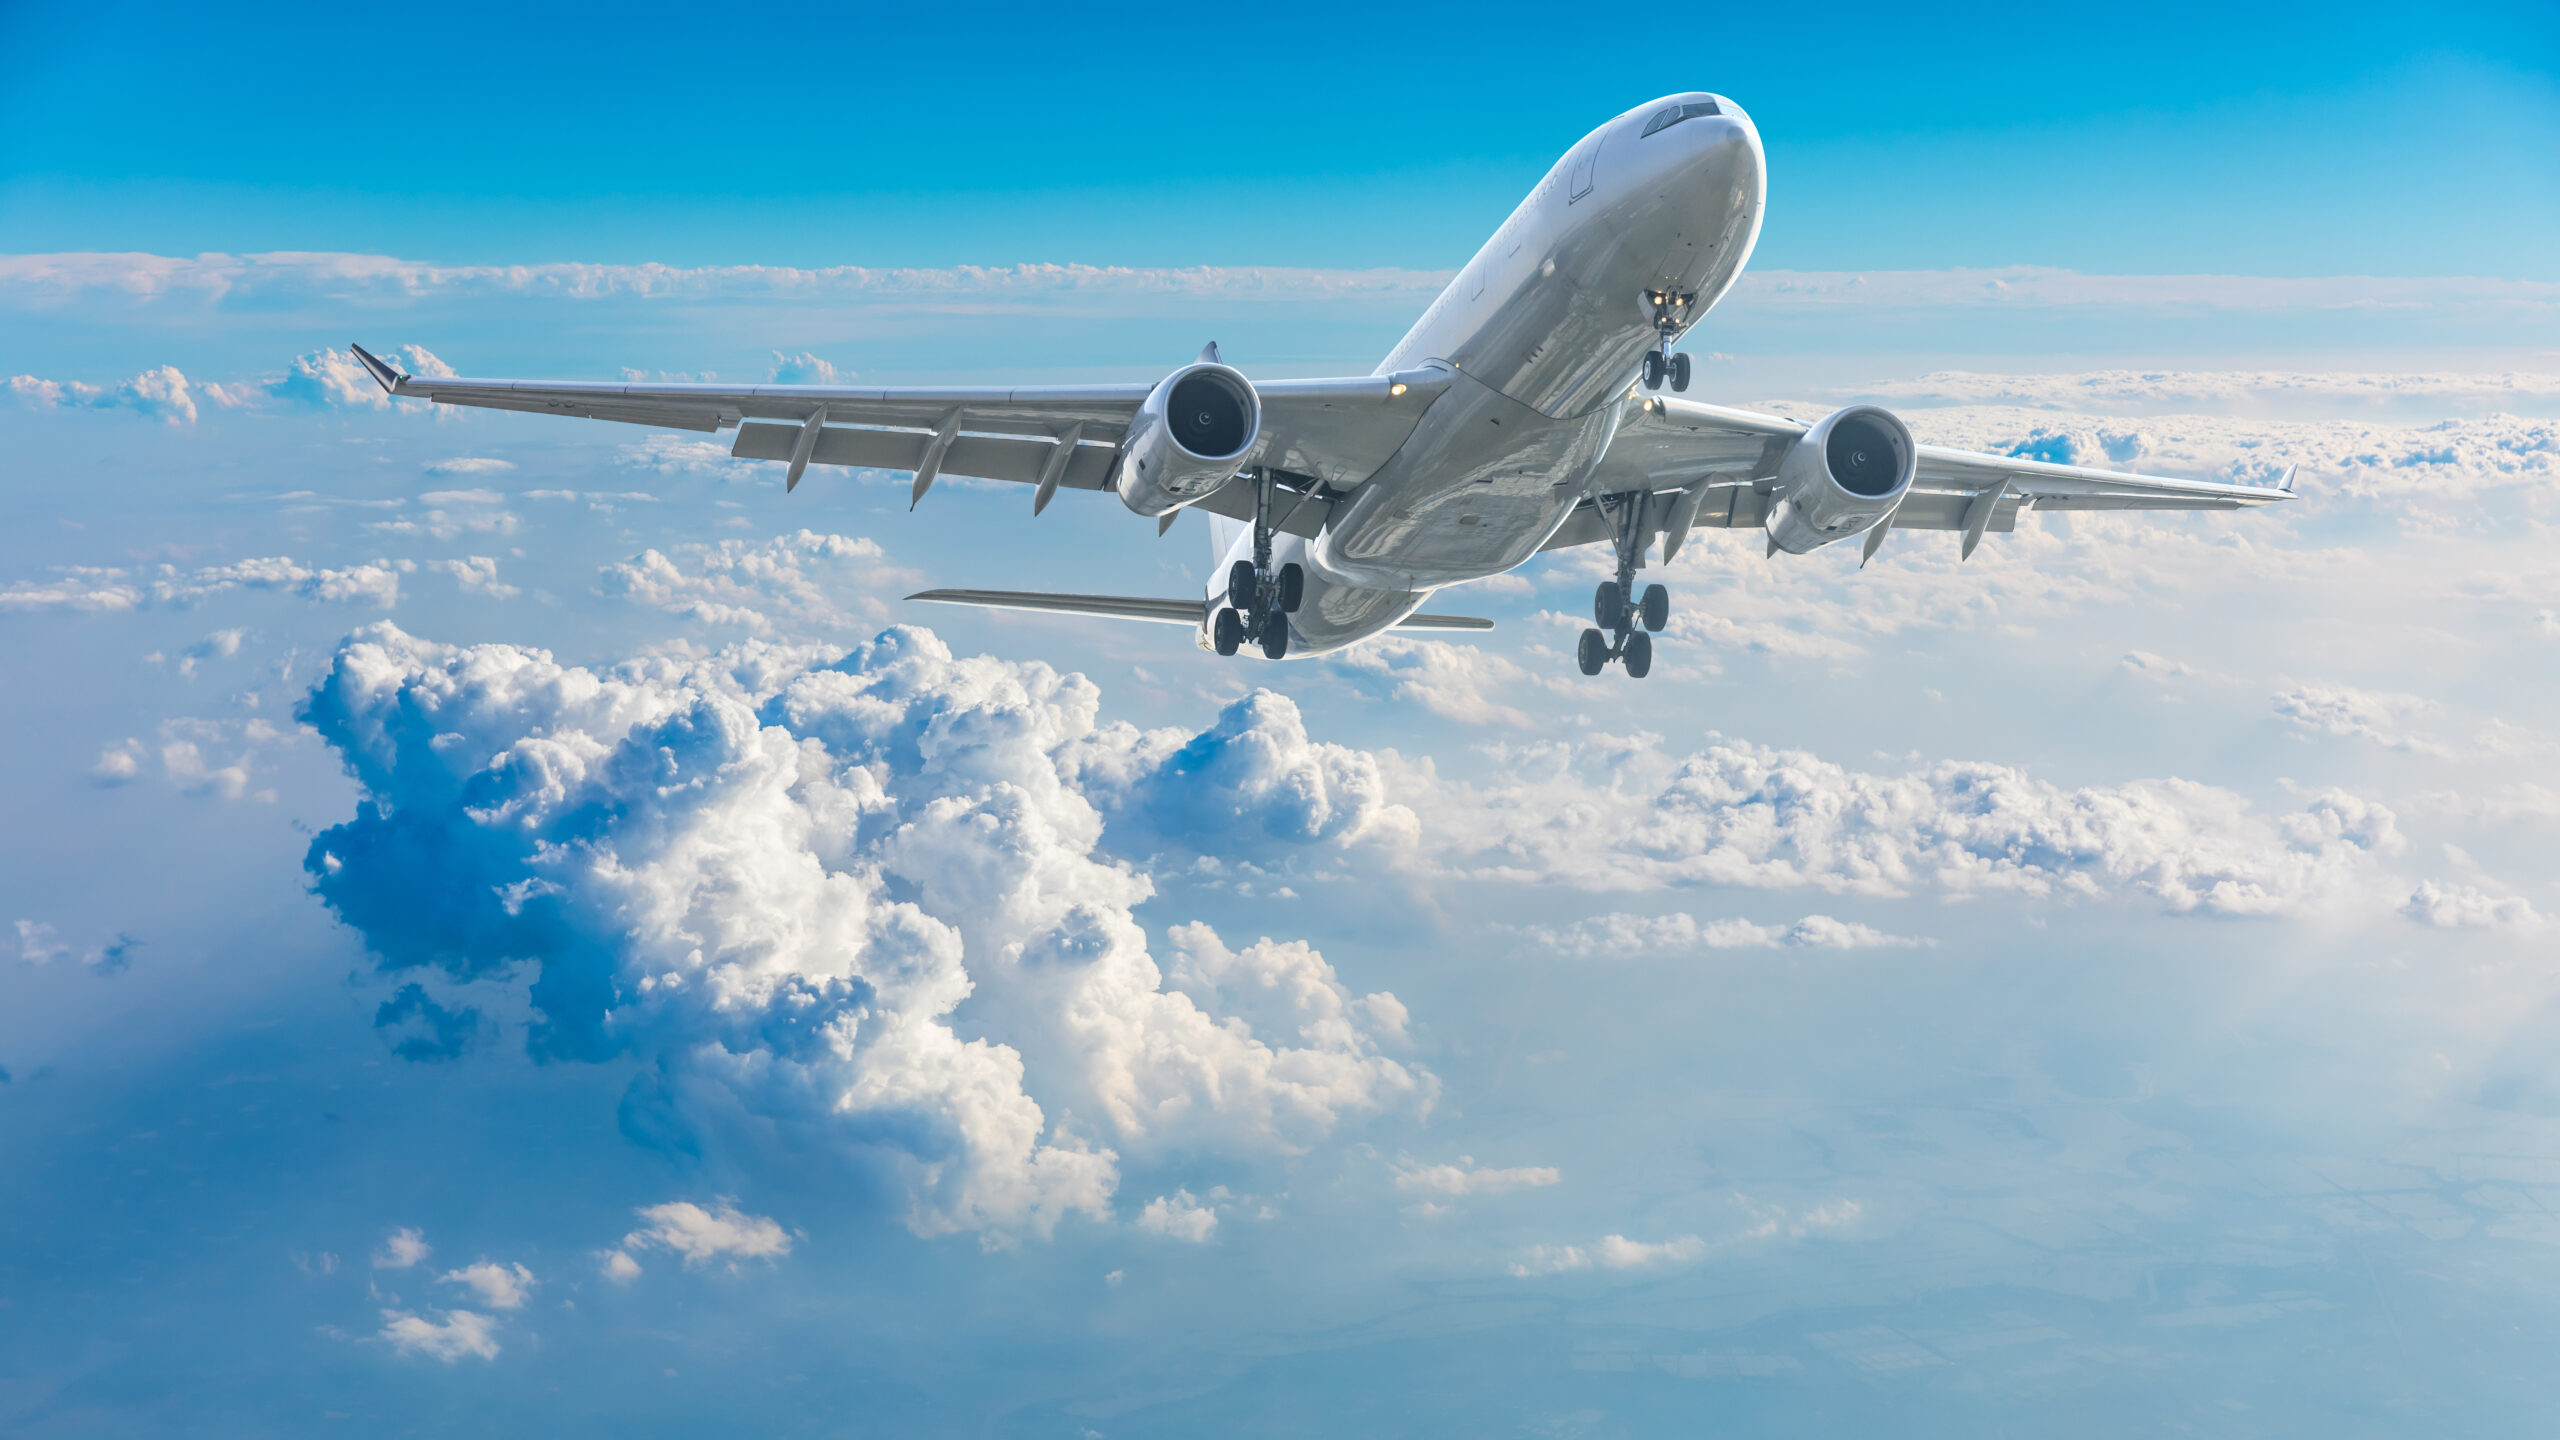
x=1544 y=330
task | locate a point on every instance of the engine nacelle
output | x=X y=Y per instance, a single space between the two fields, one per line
x=1846 y=474
x=1191 y=437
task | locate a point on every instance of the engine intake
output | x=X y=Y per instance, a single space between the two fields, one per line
x=1195 y=431
x=1844 y=476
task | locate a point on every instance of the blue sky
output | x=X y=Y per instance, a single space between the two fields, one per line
x=510 y=926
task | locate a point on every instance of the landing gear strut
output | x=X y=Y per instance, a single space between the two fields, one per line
x=1616 y=608
x=1260 y=599
x=1670 y=316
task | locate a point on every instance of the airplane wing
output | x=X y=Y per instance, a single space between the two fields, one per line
x=1728 y=458
x=1332 y=433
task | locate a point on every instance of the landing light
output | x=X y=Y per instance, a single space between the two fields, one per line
x=1396 y=389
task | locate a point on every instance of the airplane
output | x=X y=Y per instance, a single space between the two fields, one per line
x=1523 y=412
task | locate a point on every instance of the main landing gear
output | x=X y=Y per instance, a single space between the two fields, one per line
x=1260 y=599
x=1670 y=316
x=1616 y=606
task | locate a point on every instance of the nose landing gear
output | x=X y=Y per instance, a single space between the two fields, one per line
x=1260 y=598
x=1670 y=309
x=1616 y=608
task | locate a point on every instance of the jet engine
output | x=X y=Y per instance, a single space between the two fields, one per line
x=1845 y=475
x=1190 y=437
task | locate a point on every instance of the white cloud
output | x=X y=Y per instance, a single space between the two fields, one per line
x=2461 y=907
x=804 y=368
x=119 y=764
x=702 y=1236
x=1179 y=1216
x=794 y=871
x=477 y=575
x=471 y=465
x=2343 y=710
x=163 y=393
x=1613 y=1252
x=499 y=1287
x=1451 y=679
x=95 y=588
x=618 y=1267
x=669 y=454
x=401 y=1249
x=2222 y=391
x=442 y=524
x=1467 y=1178
x=342 y=279
x=1622 y=934
x=39 y=943
x=737 y=582
x=1736 y=813
x=462 y=497
x=450 y=1337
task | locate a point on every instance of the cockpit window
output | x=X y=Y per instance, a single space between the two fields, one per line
x=1671 y=115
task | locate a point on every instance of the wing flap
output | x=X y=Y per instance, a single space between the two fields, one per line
x=985 y=457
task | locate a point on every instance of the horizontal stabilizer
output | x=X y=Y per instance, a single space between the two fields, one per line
x=1117 y=607
x=1139 y=607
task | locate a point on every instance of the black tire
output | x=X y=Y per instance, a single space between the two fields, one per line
x=1638 y=655
x=1226 y=633
x=1680 y=371
x=1653 y=369
x=1592 y=653
x=1293 y=588
x=1275 y=636
x=1609 y=606
x=1243 y=586
x=1657 y=607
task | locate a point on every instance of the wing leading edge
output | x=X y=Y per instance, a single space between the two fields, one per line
x=1728 y=458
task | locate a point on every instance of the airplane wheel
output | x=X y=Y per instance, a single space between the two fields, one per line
x=1680 y=371
x=1638 y=656
x=1609 y=606
x=1275 y=636
x=1592 y=653
x=1657 y=607
x=1293 y=588
x=1226 y=633
x=1653 y=370
x=1243 y=586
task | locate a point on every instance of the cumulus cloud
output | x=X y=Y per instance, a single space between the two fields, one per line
x=618 y=1266
x=2462 y=907
x=735 y=582
x=1453 y=680
x=499 y=1287
x=450 y=1337
x=1736 y=813
x=804 y=368
x=702 y=1236
x=401 y=1249
x=1179 y=1216
x=775 y=876
x=119 y=764
x=668 y=454
x=2343 y=710
x=163 y=394
x=2224 y=391
x=471 y=465
x=1622 y=934
x=97 y=588
x=477 y=575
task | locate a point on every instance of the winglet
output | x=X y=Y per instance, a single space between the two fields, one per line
x=381 y=371
x=2286 y=484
